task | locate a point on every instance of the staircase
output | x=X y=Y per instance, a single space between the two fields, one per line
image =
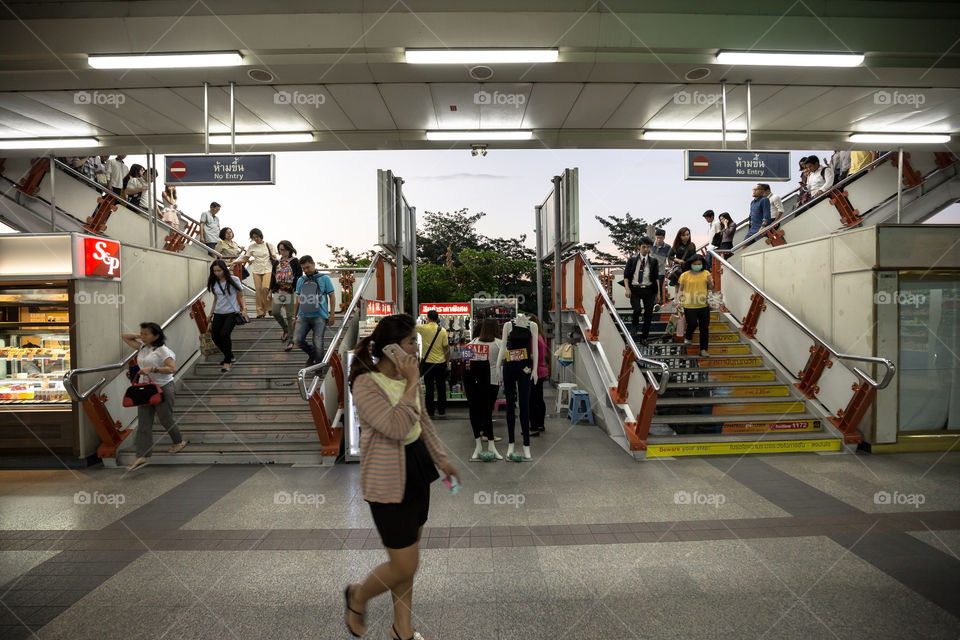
x=734 y=391
x=251 y=415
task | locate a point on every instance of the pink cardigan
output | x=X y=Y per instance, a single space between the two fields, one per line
x=542 y=360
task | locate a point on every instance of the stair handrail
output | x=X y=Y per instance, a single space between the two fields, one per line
x=810 y=203
x=133 y=207
x=639 y=358
x=888 y=364
x=324 y=365
x=68 y=378
x=180 y=213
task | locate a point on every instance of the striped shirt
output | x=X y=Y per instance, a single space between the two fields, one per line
x=383 y=426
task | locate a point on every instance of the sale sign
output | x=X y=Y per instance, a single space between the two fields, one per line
x=446 y=308
x=101 y=258
x=476 y=352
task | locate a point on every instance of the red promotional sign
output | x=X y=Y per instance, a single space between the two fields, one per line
x=477 y=352
x=379 y=308
x=446 y=308
x=177 y=169
x=701 y=164
x=101 y=257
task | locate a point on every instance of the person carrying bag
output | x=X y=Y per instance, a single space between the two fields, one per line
x=433 y=365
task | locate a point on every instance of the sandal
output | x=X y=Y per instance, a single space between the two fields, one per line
x=283 y=338
x=289 y=347
x=139 y=463
x=224 y=367
x=396 y=636
x=178 y=447
x=348 y=610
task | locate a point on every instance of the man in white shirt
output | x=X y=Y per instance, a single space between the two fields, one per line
x=776 y=207
x=116 y=172
x=840 y=163
x=210 y=225
x=819 y=178
x=713 y=232
x=640 y=278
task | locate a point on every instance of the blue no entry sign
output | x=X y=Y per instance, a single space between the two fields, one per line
x=757 y=166
x=220 y=169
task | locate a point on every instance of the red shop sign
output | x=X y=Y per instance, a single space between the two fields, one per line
x=379 y=308
x=446 y=308
x=101 y=258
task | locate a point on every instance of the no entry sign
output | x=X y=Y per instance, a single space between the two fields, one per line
x=177 y=170
x=221 y=169
x=701 y=164
x=754 y=166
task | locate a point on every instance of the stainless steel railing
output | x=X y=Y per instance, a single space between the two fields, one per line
x=889 y=366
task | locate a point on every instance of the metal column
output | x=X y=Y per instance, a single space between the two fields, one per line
x=154 y=176
x=398 y=213
x=723 y=114
x=557 y=267
x=899 y=180
x=206 y=119
x=53 y=194
x=413 y=262
x=749 y=125
x=233 y=123
x=536 y=214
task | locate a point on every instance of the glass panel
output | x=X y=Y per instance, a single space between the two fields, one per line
x=929 y=368
x=34 y=345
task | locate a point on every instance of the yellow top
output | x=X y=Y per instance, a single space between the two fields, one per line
x=394 y=390
x=858 y=160
x=694 y=289
x=427 y=332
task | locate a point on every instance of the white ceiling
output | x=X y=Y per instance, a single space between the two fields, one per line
x=622 y=70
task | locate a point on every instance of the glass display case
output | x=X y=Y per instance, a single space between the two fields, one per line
x=34 y=344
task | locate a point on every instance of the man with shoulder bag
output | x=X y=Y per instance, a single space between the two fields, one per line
x=433 y=363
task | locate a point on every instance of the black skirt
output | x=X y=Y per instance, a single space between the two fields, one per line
x=399 y=523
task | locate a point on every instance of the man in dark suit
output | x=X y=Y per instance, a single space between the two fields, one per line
x=640 y=279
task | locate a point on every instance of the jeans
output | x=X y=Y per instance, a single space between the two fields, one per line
x=318 y=325
x=435 y=378
x=281 y=298
x=538 y=408
x=641 y=300
x=478 y=388
x=699 y=317
x=164 y=413
x=516 y=386
x=220 y=331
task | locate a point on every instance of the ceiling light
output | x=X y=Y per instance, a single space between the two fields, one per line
x=900 y=138
x=165 y=60
x=480 y=134
x=49 y=143
x=479 y=56
x=792 y=59
x=663 y=134
x=262 y=138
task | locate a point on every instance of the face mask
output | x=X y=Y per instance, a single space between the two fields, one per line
x=697 y=267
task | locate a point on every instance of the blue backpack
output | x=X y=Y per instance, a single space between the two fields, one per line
x=311 y=295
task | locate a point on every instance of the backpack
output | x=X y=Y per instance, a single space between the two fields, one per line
x=310 y=295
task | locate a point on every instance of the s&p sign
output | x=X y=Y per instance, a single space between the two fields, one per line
x=101 y=258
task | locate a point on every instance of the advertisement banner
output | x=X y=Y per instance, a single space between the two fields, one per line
x=446 y=308
x=101 y=258
x=379 y=308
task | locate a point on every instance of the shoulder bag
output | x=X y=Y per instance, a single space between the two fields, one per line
x=143 y=394
x=423 y=362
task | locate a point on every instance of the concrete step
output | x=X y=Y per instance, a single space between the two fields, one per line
x=249 y=368
x=709 y=391
x=740 y=418
x=679 y=349
x=255 y=399
x=274 y=416
x=746 y=375
x=796 y=427
x=232 y=453
x=711 y=363
x=232 y=384
x=262 y=356
x=306 y=435
x=729 y=408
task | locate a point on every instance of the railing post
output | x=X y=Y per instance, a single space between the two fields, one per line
x=593 y=333
x=381 y=285
x=757 y=305
x=911 y=177
x=639 y=431
x=97 y=223
x=848 y=419
x=818 y=360
x=336 y=366
x=848 y=215
x=30 y=184
x=943 y=158
x=106 y=427
x=619 y=393
x=578 y=266
x=199 y=315
x=563 y=287
x=775 y=237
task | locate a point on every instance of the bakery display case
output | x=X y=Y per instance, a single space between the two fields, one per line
x=34 y=344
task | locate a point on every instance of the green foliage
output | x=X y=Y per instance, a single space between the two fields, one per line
x=625 y=232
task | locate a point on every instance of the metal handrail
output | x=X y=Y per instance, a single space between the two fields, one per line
x=133 y=207
x=659 y=387
x=180 y=213
x=810 y=203
x=782 y=198
x=324 y=365
x=890 y=367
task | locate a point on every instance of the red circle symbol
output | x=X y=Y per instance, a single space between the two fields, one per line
x=701 y=164
x=178 y=169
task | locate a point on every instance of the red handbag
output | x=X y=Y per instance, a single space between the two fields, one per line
x=143 y=394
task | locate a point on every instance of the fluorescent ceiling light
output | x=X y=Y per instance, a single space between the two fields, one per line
x=900 y=138
x=480 y=134
x=732 y=136
x=262 y=138
x=479 y=56
x=794 y=59
x=165 y=60
x=49 y=143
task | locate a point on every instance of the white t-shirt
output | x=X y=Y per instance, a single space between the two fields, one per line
x=776 y=207
x=492 y=357
x=141 y=197
x=261 y=254
x=150 y=357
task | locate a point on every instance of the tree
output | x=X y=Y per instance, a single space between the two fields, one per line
x=345 y=258
x=439 y=231
x=626 y=232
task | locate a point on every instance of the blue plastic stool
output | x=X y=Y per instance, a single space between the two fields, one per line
x=579 y=408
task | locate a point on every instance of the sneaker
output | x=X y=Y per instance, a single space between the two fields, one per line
x=704 y=354
x=310 y=362
x=687 y=342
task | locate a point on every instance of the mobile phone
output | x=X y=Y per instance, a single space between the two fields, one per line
x=392 y=351
x=452 y=484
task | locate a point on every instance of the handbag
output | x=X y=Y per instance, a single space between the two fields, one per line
x=424 y=363
x=238 y=319
x=673 y=275
x=207 y=345
x=141 y=394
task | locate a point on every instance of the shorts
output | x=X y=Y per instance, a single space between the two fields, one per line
x=398 y=523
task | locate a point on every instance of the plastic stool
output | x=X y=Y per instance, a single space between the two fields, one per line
x=501 y=403
x=580 y=407
x=564 y=386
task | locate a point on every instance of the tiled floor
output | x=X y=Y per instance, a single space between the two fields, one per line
x=583 y=542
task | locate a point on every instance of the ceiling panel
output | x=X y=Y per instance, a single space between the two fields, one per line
x=107 y=119
x=783 y=104
x=322 y=113
x=276 y=109
x=550 y=104
x=363 y=105
x=502 y=106
x=411 y=105
x=219 y=109
x=28 y=126
x=643 y=102
x=462 y=96
x=62 y=123
x=820 y=114
x=595 y=104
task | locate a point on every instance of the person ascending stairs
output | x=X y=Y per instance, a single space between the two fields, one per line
x=692 y=296
x=520 y=352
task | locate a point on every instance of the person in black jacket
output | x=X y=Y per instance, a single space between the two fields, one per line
x=682 y=250
x=640 y=279
x=283 y=279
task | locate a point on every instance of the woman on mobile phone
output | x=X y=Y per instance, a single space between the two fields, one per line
x=399 y=456
x=228 y=303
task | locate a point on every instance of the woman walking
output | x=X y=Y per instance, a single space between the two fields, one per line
x=283 y=280
x=262 y=256
x=538 y=408
x=727 y=228
x=227 y=305
x=399 y=456
x=157 y=364
x=692 y=295
x=481 y=383
x=169 y=206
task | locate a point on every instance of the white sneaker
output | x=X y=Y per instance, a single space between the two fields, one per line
x=704 y=354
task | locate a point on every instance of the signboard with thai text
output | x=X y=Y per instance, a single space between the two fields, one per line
x=756 y=166
x=446 y=308
x=220 y=169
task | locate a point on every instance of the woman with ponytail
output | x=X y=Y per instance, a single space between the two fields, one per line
x=399 y=456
